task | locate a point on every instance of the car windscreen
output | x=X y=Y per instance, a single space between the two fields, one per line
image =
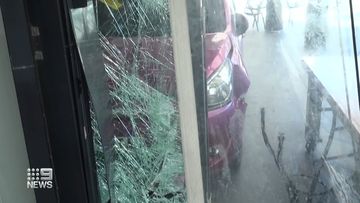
x=215 y=16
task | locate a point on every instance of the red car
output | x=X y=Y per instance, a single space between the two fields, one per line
x=227 y=83
x=227 y=79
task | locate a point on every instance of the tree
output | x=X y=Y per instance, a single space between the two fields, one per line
x=315 y=29
x=273 y=16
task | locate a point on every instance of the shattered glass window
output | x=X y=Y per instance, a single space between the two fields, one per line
x=138 y=149
x=131 y=18
x=283 y=119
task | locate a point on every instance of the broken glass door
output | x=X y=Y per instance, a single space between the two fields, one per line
x=282 y=102
x=126 y=48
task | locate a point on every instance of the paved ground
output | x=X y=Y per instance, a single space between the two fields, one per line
x=277 y=87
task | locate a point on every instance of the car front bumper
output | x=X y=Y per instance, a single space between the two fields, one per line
x=225 y=126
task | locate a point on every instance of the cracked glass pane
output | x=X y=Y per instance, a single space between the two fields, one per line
x=283 y=119
x=138 y=150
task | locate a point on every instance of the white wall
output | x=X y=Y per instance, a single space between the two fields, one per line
x=13 y=155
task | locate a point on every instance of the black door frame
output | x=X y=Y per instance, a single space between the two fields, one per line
x=52 y=97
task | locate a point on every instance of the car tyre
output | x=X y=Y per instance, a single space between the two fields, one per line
x=235 y=164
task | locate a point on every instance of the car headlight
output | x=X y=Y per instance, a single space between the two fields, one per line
x=219 y=86
x=217 y=150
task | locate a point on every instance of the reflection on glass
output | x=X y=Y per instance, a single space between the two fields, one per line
x=298 y=140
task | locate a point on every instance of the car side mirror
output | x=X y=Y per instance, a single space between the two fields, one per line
x=241 y=23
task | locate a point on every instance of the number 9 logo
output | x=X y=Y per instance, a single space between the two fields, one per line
x=46 y=173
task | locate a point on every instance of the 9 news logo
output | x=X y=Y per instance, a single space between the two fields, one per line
x=39 y=178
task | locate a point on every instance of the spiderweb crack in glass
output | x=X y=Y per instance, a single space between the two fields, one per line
x=146 y=159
